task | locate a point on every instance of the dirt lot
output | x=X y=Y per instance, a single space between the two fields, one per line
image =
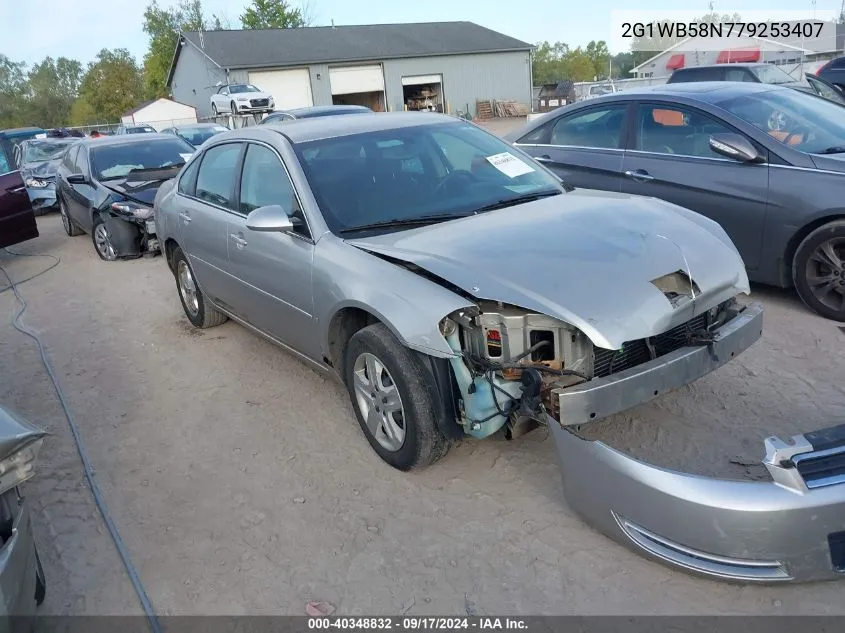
x=241 y=482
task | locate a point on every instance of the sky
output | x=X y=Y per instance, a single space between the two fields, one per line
x=79 y=29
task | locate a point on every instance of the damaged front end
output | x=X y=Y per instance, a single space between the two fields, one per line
x=515 y=367
x=133 y=228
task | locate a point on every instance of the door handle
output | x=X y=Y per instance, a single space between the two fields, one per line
x=238 y=240
x=545 y=158
x=16 y=189
x=185 y=217
x=640 y=175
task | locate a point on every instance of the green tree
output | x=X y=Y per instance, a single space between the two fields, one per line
x=163 y=26
x=548 y=62
x=622 y=63
x=580 y=66
x=112 y=85
x=12 y=93
x=599 y=54
x=272 y=14
x=53 y=86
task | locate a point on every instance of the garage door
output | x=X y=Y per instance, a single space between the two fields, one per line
x=354 y=79
x=290 y=88
x=419 y=80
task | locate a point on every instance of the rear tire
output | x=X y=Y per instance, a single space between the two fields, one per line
x=818 y=270
x=70 y=228
x=197 y=309
x=394 y=398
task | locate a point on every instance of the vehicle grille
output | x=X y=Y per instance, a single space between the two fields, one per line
x=822 y=468
x=259 y=103
x=633 y=353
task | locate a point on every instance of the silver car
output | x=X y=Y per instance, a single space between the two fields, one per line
x=457 y=288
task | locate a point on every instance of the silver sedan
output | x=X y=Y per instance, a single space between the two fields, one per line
x=458 y=288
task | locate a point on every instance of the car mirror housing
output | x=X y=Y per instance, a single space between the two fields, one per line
x=736 y=147
x=77 y=179
x=270 y=219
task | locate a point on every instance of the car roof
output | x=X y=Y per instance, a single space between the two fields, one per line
x=315 y=128
x=185 y=126
x=707 y=91
x=20 y=131
x=124 y=139
x=317 y=110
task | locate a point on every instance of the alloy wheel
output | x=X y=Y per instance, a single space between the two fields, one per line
x=825 y=273
x=102 y=241
x=187 y=288
x=379 y=401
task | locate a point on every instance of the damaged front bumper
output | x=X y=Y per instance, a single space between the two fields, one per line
x=791 y=528
x=788 y=529
x=603 y=397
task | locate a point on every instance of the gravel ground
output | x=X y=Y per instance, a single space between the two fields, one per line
x=241 y=482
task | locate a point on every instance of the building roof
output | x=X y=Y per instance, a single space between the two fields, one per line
x=144 y=104
x=268 y=48
x=751 y=41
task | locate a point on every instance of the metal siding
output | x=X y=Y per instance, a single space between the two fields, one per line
x=502 y=76
x=194 y=78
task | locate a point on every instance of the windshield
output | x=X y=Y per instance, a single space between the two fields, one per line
x=38 y=151
x=198 y=135
x=444 y=169
x=802 y=121
x=144 y=129
x=117 y=160
x=243 y=88
x=770 y=74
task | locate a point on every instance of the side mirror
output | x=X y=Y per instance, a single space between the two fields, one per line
x=270 y=219
x=736 y=147
x=77 y=179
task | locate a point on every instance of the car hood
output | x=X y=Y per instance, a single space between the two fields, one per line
x=251 y=95
x=586 y=257
x=42 y=169
x=139 y=191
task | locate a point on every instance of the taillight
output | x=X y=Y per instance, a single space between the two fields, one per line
x=494 y=343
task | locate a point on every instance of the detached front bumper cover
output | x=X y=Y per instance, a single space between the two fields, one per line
x=789 y=529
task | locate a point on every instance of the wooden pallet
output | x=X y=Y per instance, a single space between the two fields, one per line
x=488 y=109
x=483 y=109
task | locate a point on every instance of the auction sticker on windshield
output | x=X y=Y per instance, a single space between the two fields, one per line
x=509 y=164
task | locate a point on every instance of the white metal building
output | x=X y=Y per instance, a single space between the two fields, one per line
x=160 y=113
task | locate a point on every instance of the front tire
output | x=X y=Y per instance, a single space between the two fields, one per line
x=197 y=309
x=214 y=111
x=233 y=108
x=818 y=270
x=101 y=238
x=394 y=399
x=70 y=228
